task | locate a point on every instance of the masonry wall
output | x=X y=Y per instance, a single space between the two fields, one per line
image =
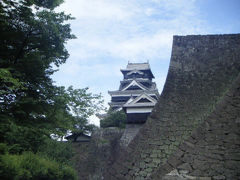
x=194 y=128
x=213 y=149
x=92 y=159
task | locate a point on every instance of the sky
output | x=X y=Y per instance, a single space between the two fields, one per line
x=111 y=33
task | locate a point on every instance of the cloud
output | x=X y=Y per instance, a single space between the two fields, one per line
x=130 y=29
x=110 y=33
x=97 y=9
x=143 y=47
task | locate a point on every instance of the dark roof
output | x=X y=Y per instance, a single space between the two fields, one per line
x=74 y=135
x=130 y=92
x=137 y=66
x=151 y=85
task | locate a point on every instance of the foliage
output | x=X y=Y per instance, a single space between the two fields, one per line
x=32 y=38
x=31 y=166
x=3 y=148
x=114 y=119
x=8 y=83
x=59 y=151
x=83 y=105
x=32 y=108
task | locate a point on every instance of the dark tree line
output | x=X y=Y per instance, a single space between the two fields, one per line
x=32 y=108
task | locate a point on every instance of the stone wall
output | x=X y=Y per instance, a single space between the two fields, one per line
x=130 y=131
x=194 y=128
x=213 y=149
x=92 y=159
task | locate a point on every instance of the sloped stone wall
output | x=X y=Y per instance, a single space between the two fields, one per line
x=189 y=127
x=213 y=149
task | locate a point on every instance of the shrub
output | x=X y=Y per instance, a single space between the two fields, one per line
x=3 y=148
x=114 y=119
x=29 y=166
x=59 y=151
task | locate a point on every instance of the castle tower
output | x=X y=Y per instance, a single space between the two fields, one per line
x=137 y=94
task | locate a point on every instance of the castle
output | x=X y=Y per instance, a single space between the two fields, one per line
x=137 y=94
x=193 y=130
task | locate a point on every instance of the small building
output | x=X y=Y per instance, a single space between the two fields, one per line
x=137 y=93
x=81 y=137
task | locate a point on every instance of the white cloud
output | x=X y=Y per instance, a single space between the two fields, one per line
x=129 y=29
x=97 y=9
x=143 y=47
x=112 y=32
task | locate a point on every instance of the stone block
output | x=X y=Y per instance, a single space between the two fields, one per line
x=142 y=165
x=156 y=161
x=185 y=166
x=196 y=172
x=203 y=178
x=179 y=153
x=154 y=155
x=219 y=177
x=173 y=161
x=152 y=165
x=214 y=156
x=234 y=165
x=187 y=158
x=183 y=171
x=149 y=170
x=147 y=160
x=143 y=173
x=232 y=156
x=143 y=155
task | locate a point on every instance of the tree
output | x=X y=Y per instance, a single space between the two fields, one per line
x=32 y=108
x=114 y=119
x=32 y=38
x=79 y=106
x=83 y=105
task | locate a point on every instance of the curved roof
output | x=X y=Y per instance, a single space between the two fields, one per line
x=137 y=67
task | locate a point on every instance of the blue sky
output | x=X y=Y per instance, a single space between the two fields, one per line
x=112 y=32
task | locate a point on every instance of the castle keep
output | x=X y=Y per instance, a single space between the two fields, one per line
x=137 y=94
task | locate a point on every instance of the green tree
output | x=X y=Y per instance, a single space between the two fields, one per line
x=83 y=104
x=32 y=108
x=114 y=119
x=32 y=38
